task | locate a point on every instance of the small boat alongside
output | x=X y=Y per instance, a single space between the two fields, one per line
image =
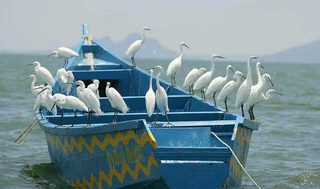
x=135 y=152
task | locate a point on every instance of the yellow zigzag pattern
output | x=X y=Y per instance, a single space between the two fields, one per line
x=79 y=145
x=93 y=181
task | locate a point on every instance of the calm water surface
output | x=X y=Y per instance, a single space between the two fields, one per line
x=284 y=152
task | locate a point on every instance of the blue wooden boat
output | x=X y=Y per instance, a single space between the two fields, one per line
x=134 y=154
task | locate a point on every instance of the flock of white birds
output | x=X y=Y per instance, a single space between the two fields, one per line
x=87 y=100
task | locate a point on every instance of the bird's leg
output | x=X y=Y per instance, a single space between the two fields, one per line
x=242 y=110
x=204 y=94
x=192 y=91
x=171 y=80
x=225 y=103
x=214 y=99
x=253 y=117
x=88 y=118
x=155 y=120
x=61 y=119
x=201 y=93
x=168 y=124
x=133 y=61
x=189 y=89
x=74 y=118
x=250 y=112
x=65 y=62
x=174 y=79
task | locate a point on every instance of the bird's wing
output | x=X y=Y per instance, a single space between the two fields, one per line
x=202 y=81
x=226 y=90
x=66 y=52
x=214 y=85
x=174 y=65
x=191 y=77
x=242 y=94
x=118 y=100
x=150 y=102
x=133 y=48
x=162 y=100
x=46 y=76
x=76 y=103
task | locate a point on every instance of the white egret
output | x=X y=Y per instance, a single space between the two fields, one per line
x=206 y=78
x=43 y=73
x=175 y=65
x=35 y=89
x=40 y=102
x=116 y=101
x=162 y=97
x=245 y=88
x=94 y=87
x=70 y=81
x=89 y=99
x=217 y=83
x=255 y=94
x=150 y=97
x=71 y=103
x=267 y=97
x=61 y=78
x=135 y=46
x=230 y=88
x=191 y=77
x=64 y=52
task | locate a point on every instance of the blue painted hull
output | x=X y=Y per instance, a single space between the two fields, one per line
x=133 y=153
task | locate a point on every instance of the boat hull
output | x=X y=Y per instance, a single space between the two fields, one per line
x=117 y=158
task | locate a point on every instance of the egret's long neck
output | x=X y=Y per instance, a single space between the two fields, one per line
x=249 y=76
x=107 y=89
x=268 y=95
x=33 y=82
x=258 y=74
x=157 y=81
x=212 y=66
x=227 y=73
x=238 y=80
x=150 y=82
x=143 y=37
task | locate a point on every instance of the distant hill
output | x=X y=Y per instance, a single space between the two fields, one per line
x=307 y=53
x=150 y=49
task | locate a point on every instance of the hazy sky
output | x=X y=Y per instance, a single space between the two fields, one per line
x=226 y=27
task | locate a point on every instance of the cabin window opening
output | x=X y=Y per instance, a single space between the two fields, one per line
x=102 y=85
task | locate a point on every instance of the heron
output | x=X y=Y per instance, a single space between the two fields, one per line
x=94 y=87
x=162 y=97
x=217 y=83
x=135 y=46
x=230 y=88
x=65 y=53
x=206 y=78
x=116 y=101
x=265 y=97
x=61 y=78
x=89 y=99
x=255 y=93
x=43 y=73
x=35 y=89
x=245 y=88
x=70 y=103
x=150 y=97
x=191 y=77
x=70 y=81
x=175 y=65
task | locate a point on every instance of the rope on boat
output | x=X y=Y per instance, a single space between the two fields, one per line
x=215 y=135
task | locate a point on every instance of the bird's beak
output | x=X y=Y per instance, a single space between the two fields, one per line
x=261 y=66
x=278 y=93
x=186 y=46
x=231 y=69
x=30 y=64
x=42 y=91
x=148 y=29
x=150 y=68
x=50 y=54
x=271 y=82
x=53 y=106
x=220 y=57
x=253 y=57
x=243 y=76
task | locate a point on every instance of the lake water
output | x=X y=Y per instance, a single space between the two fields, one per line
x=284 y=152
